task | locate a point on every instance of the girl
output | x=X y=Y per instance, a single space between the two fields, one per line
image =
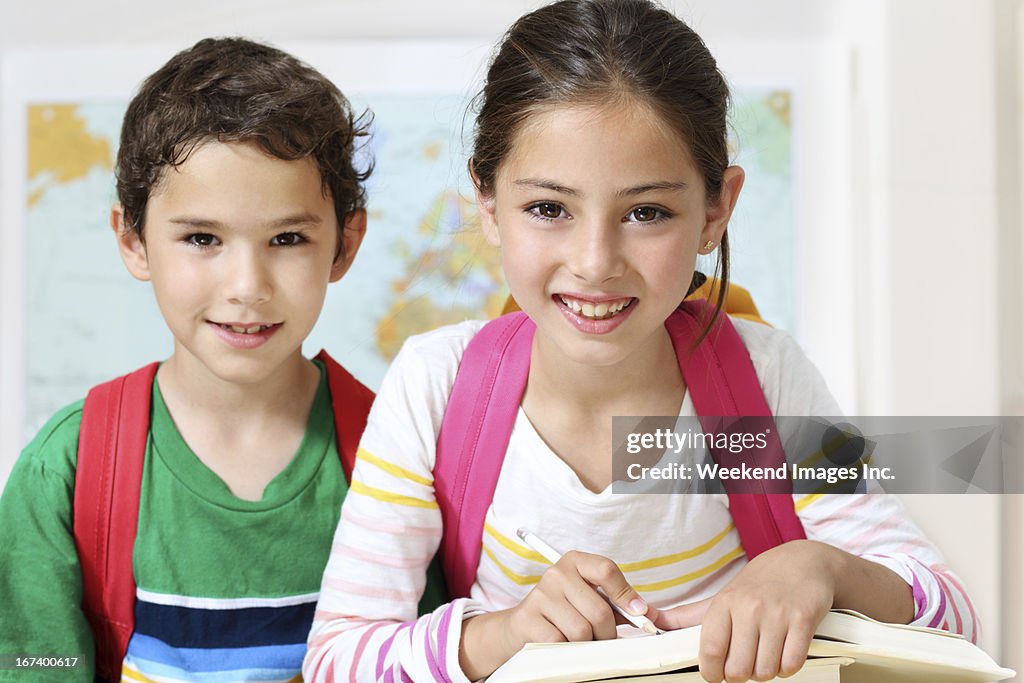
x=601 y=171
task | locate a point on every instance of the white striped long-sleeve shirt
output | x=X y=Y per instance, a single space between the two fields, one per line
x=366 y=627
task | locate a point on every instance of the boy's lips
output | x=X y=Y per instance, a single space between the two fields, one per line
x=242 y=335
x=244 y=328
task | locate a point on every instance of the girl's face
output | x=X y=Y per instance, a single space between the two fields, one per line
x=599 y=212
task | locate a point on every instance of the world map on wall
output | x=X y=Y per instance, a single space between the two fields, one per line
x=423 y=263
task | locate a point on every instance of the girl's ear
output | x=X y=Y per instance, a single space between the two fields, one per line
x=130 y=244
x=485 y=207
x=351 y=238
x=718 y=214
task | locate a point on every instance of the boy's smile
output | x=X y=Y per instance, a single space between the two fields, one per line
x=240 y=247
x=245 y=337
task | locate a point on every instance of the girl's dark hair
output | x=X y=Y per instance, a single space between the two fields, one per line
x=237 y=90
x=584 y=52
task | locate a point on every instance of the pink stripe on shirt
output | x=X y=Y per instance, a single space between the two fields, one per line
x=360 y=647
x=392 y=594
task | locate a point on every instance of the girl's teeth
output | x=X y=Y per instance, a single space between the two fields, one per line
x=589 y=310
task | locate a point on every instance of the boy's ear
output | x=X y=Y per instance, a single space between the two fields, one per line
x=352 y=234
x=130 y=244
x=485 y=207
x=718 y=214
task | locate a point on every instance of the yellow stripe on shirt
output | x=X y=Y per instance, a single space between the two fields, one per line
x=389 y=497
x=128 y=674
x=692 y=576
x=521 y=579
x=392 y=469
x=806 y=500
x=676 y=557
x=513 y=547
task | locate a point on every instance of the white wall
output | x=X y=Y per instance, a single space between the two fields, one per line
x=929 y=282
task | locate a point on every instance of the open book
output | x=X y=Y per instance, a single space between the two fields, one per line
x=859 y=649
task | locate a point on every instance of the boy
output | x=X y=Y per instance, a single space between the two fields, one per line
x=240 y=203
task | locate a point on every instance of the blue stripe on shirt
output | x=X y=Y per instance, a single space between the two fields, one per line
x=189 y=627
x=276 y=657
x=157 y=670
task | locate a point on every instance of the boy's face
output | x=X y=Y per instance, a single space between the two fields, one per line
x=240 y=247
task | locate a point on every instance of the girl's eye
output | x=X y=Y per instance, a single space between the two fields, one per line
x=646 y=214
x=201 y=240
x=547 y=210
x=287 y=239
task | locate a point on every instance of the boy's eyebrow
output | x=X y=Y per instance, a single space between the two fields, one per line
x=625 y=192
x=301 y=218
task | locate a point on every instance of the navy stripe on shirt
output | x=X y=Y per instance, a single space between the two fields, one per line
x=224 y=628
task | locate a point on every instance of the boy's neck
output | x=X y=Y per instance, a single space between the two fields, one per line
x=245 y=433
x=184 y=379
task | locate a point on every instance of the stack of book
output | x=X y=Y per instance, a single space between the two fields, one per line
x=847 y=647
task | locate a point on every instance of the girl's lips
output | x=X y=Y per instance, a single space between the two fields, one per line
x=245 y=340
x=591 y=325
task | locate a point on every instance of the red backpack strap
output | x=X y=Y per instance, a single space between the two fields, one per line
x=474 y=435
x=108 y=479
x=722 y=382
x=350 y=401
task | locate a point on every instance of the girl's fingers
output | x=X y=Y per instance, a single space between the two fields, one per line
x=567 y=596
x=769 y=649
x=743 y=647
x=600 y=572
x=798 y=642
x=594 y=608
x=568 y=620
x=682 y=616
x=543 y=631
x=715 y=636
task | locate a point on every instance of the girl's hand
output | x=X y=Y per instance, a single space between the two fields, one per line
x=760 y=625
x=563 y=606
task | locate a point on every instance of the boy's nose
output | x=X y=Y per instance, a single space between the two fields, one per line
x=247 y=281
x=595 y=252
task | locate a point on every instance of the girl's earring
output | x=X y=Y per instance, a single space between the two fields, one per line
x=708 y=246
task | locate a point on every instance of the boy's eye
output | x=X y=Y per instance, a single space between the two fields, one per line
x=287 y=239
x=646 y=214
x=547 y=210
x=201 y=239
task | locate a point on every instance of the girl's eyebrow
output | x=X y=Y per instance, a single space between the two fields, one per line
x=652 y=187
x=625 y=192
x=547 y=185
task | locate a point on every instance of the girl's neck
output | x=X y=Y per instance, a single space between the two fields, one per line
x=651 y=370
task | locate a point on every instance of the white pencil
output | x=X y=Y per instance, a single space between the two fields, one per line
x=553 y=556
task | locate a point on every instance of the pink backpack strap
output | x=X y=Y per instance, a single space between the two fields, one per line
x=350 y=401
x=474 y=435
x=723 y=383
x=108 y=478
x=485 y=399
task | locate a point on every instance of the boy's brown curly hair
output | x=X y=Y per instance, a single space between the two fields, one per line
x=237 y=90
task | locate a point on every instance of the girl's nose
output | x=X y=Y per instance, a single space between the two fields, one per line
x=596 y=251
